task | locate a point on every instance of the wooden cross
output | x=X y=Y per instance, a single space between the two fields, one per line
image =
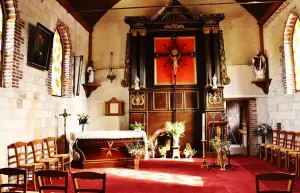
x=175 y=53
x=65 y=115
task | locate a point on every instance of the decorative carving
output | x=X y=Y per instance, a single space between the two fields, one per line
x=137 y=99
x=206 y=30
x=125 y=81
x=210 y=22
x=174 y=26
x=215 y=30
x=225 y=80
x=215 y=98
x=142 y=32
x=138 y=24
x=134 y=32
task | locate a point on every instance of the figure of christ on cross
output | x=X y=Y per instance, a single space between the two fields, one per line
x=174 y=54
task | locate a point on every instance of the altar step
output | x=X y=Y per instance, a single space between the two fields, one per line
x=238 y=149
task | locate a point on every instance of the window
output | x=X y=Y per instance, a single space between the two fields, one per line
x=296 y=54
x=56 y=69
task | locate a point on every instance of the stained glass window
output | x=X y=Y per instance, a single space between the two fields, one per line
x=57 y=56
x=296 y=50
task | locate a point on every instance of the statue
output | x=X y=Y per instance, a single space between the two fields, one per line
x=214 y=82
x=90 y=72
x=174 y=55
x=260 y=65
x=137 y=83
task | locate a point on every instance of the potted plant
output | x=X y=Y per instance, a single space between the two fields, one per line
x=136 y=151
x=152 y=143
x=189 y=152
x=176 y=130
x=163 y=151
x=264 y=132
x=222 y=148
x=137 y=126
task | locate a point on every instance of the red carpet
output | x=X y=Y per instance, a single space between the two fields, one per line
x=182 y=176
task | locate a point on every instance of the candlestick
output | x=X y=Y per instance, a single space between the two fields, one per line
x=204 y=162
x=203 y=126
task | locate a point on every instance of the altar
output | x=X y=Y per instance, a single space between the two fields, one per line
x=105 y=148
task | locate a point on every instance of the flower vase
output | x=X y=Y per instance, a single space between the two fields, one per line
x=136 y=162
x=223 y=164
x=153 y=154
x=175 y=141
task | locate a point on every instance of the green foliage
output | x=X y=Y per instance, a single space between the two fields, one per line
x=220 y=146
x=135 y=149
x=137 y=126
x=162 y=150
x=189 y=151
x=175 y=129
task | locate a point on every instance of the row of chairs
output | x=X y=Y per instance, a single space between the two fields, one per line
x=283 y=149
x=33 y=156
x=42 y=186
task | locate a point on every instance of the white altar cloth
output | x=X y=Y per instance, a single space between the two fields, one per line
x=111 y=134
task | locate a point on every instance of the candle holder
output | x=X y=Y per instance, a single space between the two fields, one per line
x=204 y=162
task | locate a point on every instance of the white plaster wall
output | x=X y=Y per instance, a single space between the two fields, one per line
x=240 y=36
x=36 y=117
x=282 y=108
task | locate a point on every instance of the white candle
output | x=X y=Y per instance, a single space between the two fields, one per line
x=203 y=126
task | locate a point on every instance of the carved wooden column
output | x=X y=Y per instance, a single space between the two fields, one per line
x=142 y=48
x=216 y=54
x=206 y=31
x=133 y=55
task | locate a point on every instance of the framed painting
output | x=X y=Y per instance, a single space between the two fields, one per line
x=40 y=52
x=175 y=55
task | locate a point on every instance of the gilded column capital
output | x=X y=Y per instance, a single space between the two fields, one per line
x=142 y=32
x=206 y=30
x=134 y=32
x=215 y=30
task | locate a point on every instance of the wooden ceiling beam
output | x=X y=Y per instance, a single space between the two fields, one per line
x=65 y=4
x=269 y=13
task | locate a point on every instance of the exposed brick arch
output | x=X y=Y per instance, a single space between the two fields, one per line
x=288 y=62
x=12 y=43
x=67 y=75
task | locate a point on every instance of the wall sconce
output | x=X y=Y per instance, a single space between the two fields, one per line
x=111 y=74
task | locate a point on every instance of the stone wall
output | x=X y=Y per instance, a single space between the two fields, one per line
x=27 y=110
x=283 y=104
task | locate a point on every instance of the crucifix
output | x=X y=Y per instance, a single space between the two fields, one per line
x=174 y=54
x=65 y=115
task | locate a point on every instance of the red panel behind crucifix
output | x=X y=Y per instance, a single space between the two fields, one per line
x=163 y=65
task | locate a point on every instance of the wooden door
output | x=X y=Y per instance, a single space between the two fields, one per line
x=233 y=109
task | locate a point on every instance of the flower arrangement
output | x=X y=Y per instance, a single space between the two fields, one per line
x=220 y=146
x=83 y=119
x=162 y=150
x=135 y=149
x=152 y=143
x=264 y=129
x=137 y=126
x=175 y=129
x=189 y=151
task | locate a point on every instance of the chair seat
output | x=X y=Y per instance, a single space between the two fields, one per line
x=293 y=152
x=270 y=145
x=286 y=149
x=44 y=160
x=66 y=155
x=31 y=165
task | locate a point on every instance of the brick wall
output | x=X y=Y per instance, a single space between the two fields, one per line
x=252 y=113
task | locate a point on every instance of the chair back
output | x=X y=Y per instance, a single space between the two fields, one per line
x=275 y=176
x=281 y=138
x=290 y=140
x=275 y=137
x=41 y=174
x=297 y=141
x=17 y=154
x=37 y=147
x=51 y=146
x=88 y=176
x=14 y=186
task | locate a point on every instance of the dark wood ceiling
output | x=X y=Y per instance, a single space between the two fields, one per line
x=84 y=11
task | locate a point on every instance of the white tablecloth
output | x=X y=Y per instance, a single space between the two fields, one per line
x=111 y=134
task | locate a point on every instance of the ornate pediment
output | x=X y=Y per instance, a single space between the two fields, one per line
x=173 y=11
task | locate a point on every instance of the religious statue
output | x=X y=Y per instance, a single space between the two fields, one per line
x=214 y=82
x=90 y=72
x=260 y=66
x=137 y=83
x=175 y=56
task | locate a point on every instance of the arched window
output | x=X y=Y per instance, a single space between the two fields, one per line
x=296 y=54
x=56 y=67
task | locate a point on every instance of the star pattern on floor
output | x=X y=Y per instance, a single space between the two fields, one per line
x=110 y=148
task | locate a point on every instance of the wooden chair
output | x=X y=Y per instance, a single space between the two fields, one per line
x=37 y=147
x=293 y=156
x=40 y=175
x=64 y=159
x=20 y=160
x=268 y=147
x=281 y=142
x=15 y=187
x=289 y=146
x=276 y=176
x=89 y=176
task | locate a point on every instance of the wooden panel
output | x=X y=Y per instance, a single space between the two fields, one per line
x=137 y=117
x=179 y=100
x=191 y=100
x=138 y=100
x=214 y=99
x=160 y=101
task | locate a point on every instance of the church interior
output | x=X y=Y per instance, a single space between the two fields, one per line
x=150 y=96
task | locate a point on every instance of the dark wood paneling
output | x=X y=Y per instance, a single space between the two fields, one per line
x=179 y=100
x=214 y=99
x=133 y=103
x=192 y=134
x=191 y=100
x=160 y=101
x=134 y=53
